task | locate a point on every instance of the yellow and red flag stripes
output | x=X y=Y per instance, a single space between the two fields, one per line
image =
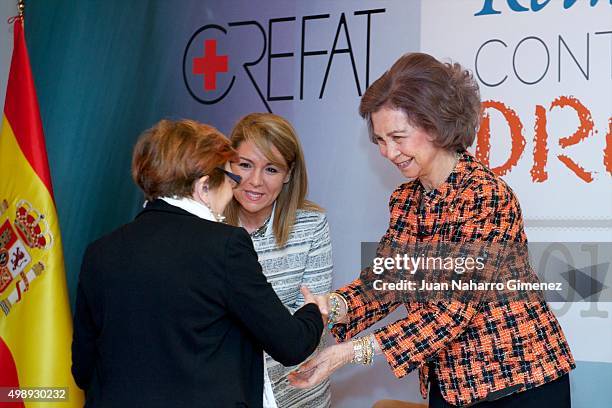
x=35 y=320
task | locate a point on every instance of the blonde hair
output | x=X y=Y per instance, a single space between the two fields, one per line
x=267 y=130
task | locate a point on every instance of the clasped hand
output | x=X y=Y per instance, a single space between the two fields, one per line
x=328 y=360
x=322 y=301
x=321 y=366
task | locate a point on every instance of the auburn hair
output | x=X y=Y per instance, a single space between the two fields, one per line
x=169 y=157
x=441 y=98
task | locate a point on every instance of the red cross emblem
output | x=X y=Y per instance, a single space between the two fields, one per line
x=210 y=64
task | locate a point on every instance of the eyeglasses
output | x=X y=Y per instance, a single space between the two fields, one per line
x=234 y=177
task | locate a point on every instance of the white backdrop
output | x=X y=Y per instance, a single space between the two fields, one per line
x=569 y=49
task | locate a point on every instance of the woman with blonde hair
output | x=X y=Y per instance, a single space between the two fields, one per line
x=290 y=233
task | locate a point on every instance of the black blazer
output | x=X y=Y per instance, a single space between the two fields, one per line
x=174 y=311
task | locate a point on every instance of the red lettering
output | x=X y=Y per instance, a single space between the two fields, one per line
x=483 y=146
x=540 y=151
x=584 y=129
x=608 y=149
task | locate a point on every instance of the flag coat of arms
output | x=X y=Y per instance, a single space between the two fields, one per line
x=35 y=319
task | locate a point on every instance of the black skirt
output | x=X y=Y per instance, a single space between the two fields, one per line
x=552 y=394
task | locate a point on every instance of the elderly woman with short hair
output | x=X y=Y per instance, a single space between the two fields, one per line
x=172 y=308
x=423 y=115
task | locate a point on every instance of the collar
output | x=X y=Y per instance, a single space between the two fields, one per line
x=266 y=229
x=191 y=206
x=464 y=166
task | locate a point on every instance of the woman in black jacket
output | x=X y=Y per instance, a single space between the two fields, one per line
x=172 y=309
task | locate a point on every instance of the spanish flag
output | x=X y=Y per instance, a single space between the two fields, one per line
x=35 y=320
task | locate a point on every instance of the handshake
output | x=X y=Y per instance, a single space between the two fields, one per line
x=324 y=363
x=322 y=301
x=332 y=306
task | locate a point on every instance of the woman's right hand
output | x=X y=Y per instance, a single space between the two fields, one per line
x=320 y=300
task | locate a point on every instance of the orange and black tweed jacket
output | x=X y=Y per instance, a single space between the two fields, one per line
x=479 y=351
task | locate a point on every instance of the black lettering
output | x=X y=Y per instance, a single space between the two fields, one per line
x=272 y=55
x=246 y=65
x=586 y=74
x=514 y=60
x=334 y=51
x=368 y=13
x=304 y=53
x=494 y=40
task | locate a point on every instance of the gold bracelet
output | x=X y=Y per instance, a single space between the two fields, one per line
x=334 y=312
x=367 y=358
x=357 y=352
x=367 y=355
x=363 y=351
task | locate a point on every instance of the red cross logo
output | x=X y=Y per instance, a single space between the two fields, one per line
x=210 y=64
